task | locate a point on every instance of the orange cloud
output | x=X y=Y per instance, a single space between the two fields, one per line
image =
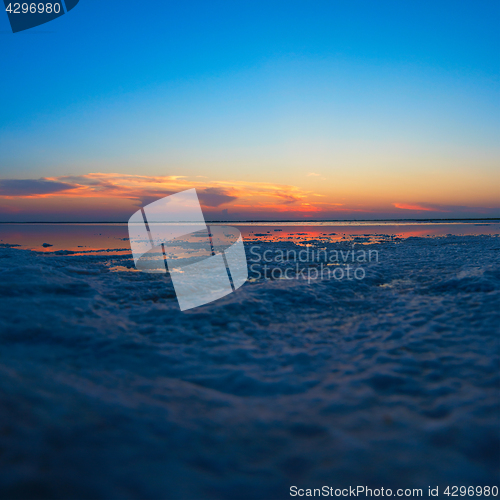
x=141 y=189
x=406 y=206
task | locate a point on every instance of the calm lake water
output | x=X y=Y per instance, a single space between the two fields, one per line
x=99 y=237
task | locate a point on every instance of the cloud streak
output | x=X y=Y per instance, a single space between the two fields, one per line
x=32 y=187
x=422 y=207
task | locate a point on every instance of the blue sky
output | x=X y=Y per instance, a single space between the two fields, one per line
x=383 y=97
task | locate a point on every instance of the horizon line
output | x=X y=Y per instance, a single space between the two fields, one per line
x=270 y=220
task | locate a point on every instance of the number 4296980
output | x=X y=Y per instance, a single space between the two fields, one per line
x=485 y=491
x=33 y=8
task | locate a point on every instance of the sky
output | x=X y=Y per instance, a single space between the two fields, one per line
x=271 y=109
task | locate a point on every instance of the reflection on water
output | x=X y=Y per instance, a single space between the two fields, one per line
x=97 y=238
x=79 y=238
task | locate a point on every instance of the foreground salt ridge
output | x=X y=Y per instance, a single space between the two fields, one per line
x=111 y=392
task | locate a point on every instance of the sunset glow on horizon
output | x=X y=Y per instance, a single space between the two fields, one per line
x=114 y=197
